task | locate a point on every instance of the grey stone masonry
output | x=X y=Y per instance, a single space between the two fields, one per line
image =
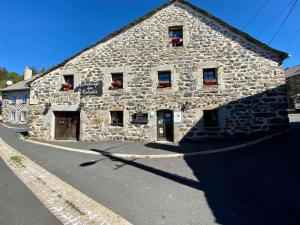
x=15 y=105
x=250 y=94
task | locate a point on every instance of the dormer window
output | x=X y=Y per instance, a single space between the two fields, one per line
x=68 y=83
x=117 y=81
x=176 y=36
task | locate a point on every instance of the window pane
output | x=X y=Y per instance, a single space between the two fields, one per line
x=210 y=76
x=116 y=118
x=117 y=80
x=69 y=80
x=176 y=36
x=164 y=79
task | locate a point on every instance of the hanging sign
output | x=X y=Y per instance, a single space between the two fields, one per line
x=90 y=88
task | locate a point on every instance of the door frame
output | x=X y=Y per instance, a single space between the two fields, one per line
x=77 y=126
x=171 y=138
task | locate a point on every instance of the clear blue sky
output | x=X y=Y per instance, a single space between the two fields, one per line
x=45 y=32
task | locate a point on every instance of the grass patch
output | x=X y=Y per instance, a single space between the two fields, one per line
x=17 y=160
x=74 y=207
x=24 y=136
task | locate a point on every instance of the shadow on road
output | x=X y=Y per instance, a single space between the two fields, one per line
x=258 y=185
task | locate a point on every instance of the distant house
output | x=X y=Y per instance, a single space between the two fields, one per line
x=293 y=85
x=15 y=100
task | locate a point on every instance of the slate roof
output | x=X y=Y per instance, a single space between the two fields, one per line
x=293 y=71
x=21 y=85
x=283 y=55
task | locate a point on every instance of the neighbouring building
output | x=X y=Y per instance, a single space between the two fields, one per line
x=15 y=100
x=177 y=73
x=293 y=86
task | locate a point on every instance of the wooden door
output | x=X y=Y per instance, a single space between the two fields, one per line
x=165 y=125
x=67 y=125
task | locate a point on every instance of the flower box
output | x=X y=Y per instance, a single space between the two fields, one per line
x=116 y=85
x=176 y=41
x=66 y=86
x=164 y=84
x=210 y=82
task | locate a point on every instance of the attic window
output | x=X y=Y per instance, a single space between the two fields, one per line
x=176 y=36
x=68 y=83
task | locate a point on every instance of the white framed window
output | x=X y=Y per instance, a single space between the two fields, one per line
x=12 y=116
x=23 y=116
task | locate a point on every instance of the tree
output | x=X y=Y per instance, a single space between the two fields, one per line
x=5 y=75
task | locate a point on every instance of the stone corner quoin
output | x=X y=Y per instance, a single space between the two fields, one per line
x=249 y=95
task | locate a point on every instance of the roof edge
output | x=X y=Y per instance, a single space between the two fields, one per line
x=148 y=15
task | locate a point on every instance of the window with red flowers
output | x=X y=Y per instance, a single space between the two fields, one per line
x=117 y=81
x=68 y=83
x=164 y=79
x=176 y=36
x=210 y=77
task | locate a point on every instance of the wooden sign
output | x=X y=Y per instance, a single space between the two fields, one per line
x=90 y=88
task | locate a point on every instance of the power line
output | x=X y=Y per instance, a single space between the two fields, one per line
x=284 y=21
x=275 y=18
x=256 y=14
x=291 y=38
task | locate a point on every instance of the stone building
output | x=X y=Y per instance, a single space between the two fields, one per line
x=177 y=73
x=293 y=85
x=15 y=100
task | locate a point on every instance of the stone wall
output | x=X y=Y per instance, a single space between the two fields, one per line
x=8 y=105
x=251 y=94
x=293 y=88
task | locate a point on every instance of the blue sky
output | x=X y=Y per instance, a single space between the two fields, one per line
x=44 y=33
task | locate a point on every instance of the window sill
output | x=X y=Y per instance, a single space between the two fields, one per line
x=116 y=89
x=208 y=86
x=116 y=126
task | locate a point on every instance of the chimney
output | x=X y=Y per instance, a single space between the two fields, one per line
x=27 y=73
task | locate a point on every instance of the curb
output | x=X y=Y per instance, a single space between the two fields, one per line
x=20 y=128
x=163 y=156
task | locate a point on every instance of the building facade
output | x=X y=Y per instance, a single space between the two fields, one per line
x=293 y=86
x=15 y=100
x=177 y=73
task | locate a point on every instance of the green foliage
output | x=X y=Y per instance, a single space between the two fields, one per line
x=5 y=75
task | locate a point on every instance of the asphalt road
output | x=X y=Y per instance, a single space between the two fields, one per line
x=257 y=185
x=18 y=206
